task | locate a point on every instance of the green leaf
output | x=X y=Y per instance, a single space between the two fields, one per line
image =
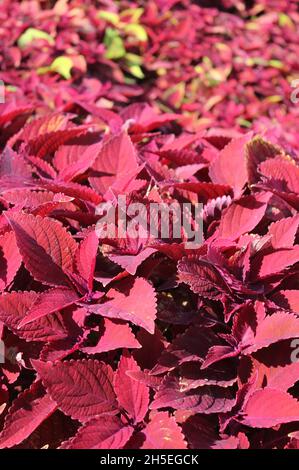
x=277 y=64
x=32 y=34
x=244 y=122
x=115 y=48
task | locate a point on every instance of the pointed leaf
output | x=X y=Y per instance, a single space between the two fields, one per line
x=136 y=304
x=10 y=259
x=44 y=242
x=100 y=433
x=27 y=412
x=15 y=306
x=223 y=168
x=116 y=159
x=163 y=432
x=132 y=395
x=49 y=302
x=269 y=407
x=82 y=389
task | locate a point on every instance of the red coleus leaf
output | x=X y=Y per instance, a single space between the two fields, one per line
x=204 y=400
x=156 y=343
x=223 y=168
x=44 y=125
x=269 y=407
x=255 y=332
x=135 y=302
x=27 y=412
x=112 y=334
x=13 y=166
x=71 y=189
x=259 y=150
x=131 y=262
x=275 y=367
x=85 y=258
x=116 y=159
x=10 y=259
x=28 y=197
x=243 y=216
x=48 y=302
x=283 y=232
x=203 y=277
x=48 y=143
x=287 y=299
x=44 y=242
x=144 y=118
x=81 y=389
x=162 y=432
x=107 y=432
x=132 y=395
x=273 y=262
x=284 y=172
x=77 y=160
x=223 y=374
x=51 y=433
x=202 y=192
x=12 y=112
x=14 y=308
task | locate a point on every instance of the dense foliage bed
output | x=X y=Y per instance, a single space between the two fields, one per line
x=142 y=343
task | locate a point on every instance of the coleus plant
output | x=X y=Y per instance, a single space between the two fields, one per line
x=134 y=343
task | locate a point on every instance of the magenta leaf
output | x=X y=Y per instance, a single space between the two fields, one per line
x=44 y=242
x=27 y=412
x=269 y=407
x=223 y=168
x=162 y=432
x=14 y=308
x=107 y=432
x=48 y=302
x=132 y=395
x=137 y=305
x=81 y=389
x=113 y=334
x=117 y=158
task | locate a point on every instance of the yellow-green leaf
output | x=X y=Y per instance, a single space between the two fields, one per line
x=285 y=20
x=274 y=99
x=136 y=30
x=63 y=66
x=109 y=16
x=277 y=64
x=244 y=122
x=32 y=34
x=133 y=13
x=136 y=71
x=134 y=59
